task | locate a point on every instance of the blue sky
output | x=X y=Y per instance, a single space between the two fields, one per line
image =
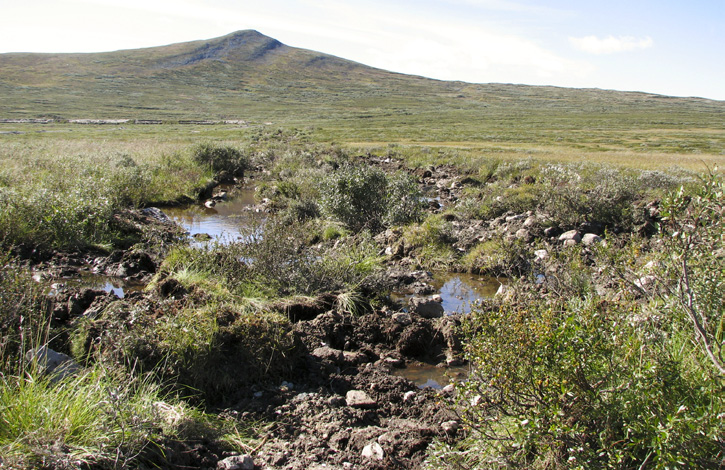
x=671 y=47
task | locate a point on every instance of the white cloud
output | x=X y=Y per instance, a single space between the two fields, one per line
x=610 y=44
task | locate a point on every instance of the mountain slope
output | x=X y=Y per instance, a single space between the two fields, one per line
x=246 y=75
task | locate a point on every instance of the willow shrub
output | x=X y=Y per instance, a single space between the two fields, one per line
x=580 y=384
x=364 y=197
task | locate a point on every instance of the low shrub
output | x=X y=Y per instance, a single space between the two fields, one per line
x=221 y=159
x=363 y=197
x=575 y=384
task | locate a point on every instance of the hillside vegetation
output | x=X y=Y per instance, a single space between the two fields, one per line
x=248 y=76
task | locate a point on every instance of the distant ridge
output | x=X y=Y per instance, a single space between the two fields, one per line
x=247 y=75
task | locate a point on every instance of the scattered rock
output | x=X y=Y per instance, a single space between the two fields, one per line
x=570 y=235
x=402 y=318
x=359 y=399
x=236 y=462
x=409 y=396
x=202 y=237
x=590 y=239
x=426 y=308
x=541 y=255
x=450 y=427
x=53 y=362
x=373 y=451
x=448 y=390
x=329 y=354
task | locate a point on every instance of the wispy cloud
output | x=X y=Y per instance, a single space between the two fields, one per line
x=610 y=44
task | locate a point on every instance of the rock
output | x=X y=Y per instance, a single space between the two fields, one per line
x=426 y=308
x=551 y=231
x=541 y=255
x=645 y=282
x=373 y=451
x=402 y=318
x=523 y=234
x=355 y=357
x=449 y=389
x=394 y=362
x=359 y=399
x=590 y=239
x=450 y=427
x=409 y=396
x=504 y=291
x=570 y=243
x=530 y=222
x=202 y=237
x=157 y=214
x=570 y=235
x=236 y=462
x=52 y=362
x=329 y=354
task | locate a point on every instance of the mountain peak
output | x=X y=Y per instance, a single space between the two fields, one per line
x=245 y=45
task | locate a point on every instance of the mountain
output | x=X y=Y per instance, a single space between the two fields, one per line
x=246 y=75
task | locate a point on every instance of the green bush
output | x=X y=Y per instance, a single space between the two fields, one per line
x=578 y=384
x=364 y=197
x=221 y=159
x=695 y=245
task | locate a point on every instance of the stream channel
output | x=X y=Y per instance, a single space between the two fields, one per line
x=231 y=219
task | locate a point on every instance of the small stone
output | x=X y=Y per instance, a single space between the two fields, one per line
x=448 y=389
x=328 y=353
x=336 y=401
x=394 y=362
x=373 y=451
x=402 y=318
x=590 y=239
x=541 y=255
x=52 y=362
x=426 y=308
x=408 y=396
x=359 y=399
x=236 y=462
x=522 y=234
x=645 y=282
x=450 y=427
x=570 y=235
x=570 y=243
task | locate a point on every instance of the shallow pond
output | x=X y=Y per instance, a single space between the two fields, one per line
x=459 y=291
x=226 y=222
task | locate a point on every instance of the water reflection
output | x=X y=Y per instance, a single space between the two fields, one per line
x=226 y=222
x=459 y=291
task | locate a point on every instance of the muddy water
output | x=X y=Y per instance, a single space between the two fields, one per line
x=427 y=375
x=226 y=222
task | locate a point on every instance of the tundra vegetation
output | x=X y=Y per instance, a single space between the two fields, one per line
x=607 y=354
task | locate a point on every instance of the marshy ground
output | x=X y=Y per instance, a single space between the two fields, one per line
x=280 y=340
